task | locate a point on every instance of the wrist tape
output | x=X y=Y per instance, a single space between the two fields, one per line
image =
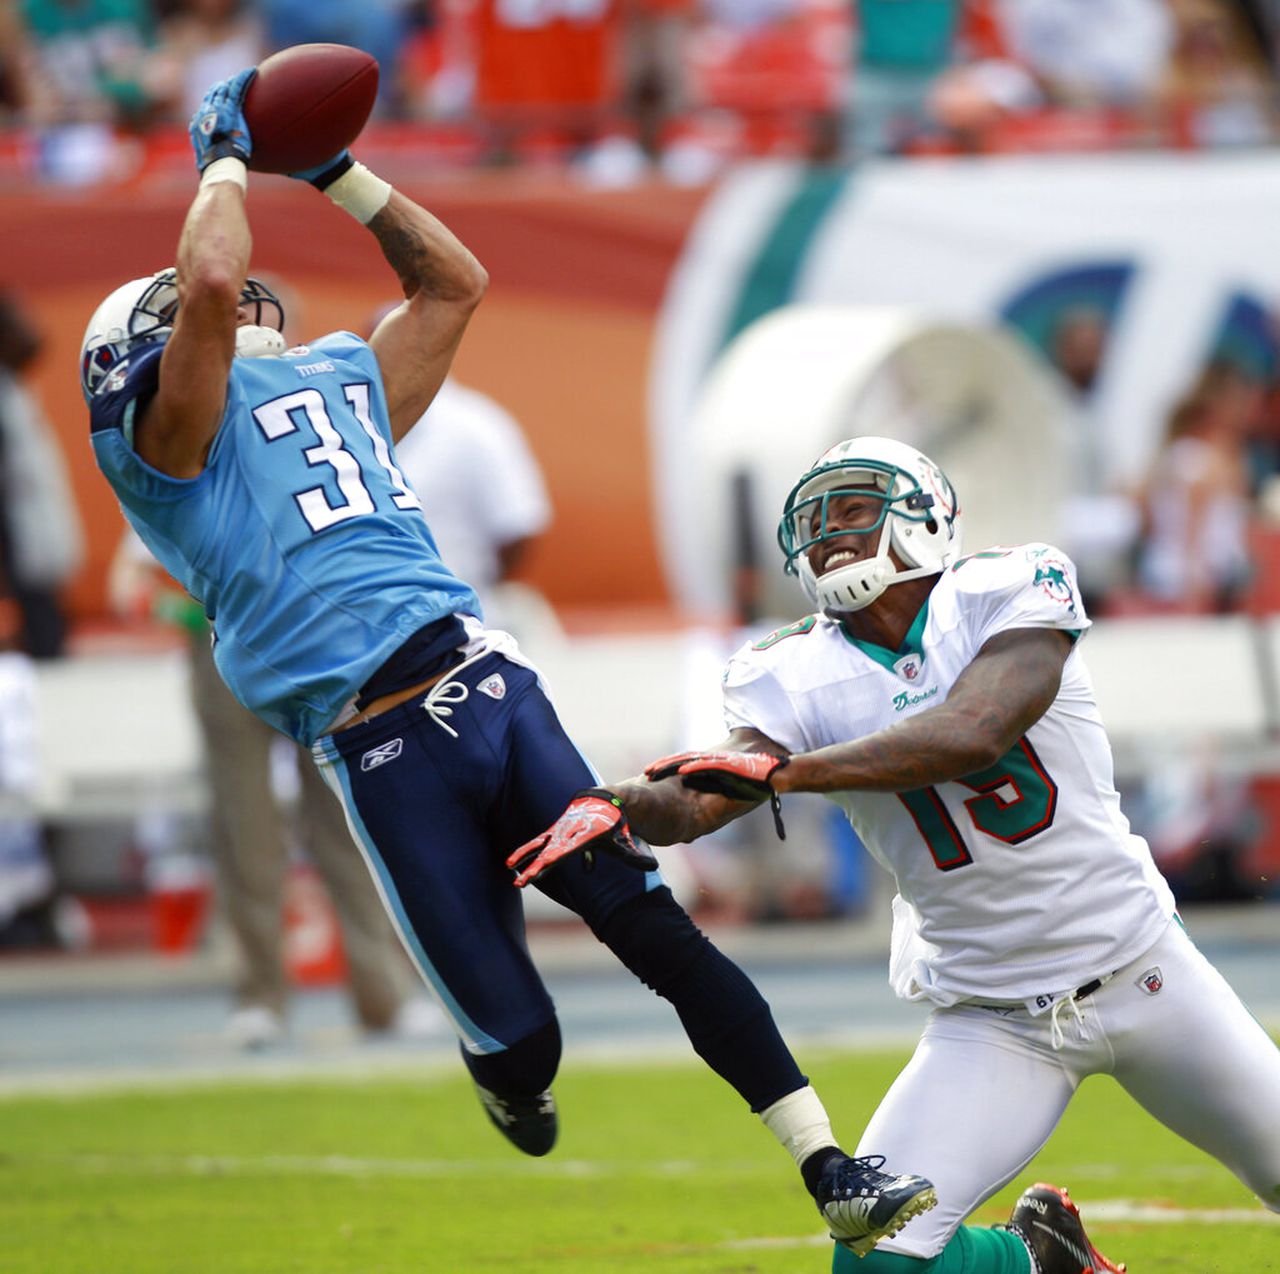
x=359 y=192
x=228 y=168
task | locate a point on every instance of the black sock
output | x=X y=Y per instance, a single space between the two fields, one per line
x=812 y=1168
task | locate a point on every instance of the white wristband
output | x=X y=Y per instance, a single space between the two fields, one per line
x=360 y=192
x=228 y=168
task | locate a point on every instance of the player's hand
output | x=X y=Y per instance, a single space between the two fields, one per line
x=593 y=821
x=740 y=776
x=218 y=127
x=324 y=175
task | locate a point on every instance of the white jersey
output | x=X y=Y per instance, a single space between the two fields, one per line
x=1016 y=883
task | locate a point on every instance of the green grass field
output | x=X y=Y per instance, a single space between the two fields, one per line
x=658 y=1168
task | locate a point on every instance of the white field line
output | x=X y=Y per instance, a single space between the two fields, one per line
x=1129 y=1211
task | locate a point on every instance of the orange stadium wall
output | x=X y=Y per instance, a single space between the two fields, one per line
x=563 y=338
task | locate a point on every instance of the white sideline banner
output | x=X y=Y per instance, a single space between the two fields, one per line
x=1175 y=248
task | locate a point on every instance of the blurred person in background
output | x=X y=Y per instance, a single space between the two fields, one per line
x=250 y=839
x=941 y=701
x=264 y=480
x=1193 y=554
x=15 y=63
x=201 y=41
x=88 y=61
x=41 y=539
x=28 y=914
x=1220 y=74
x=480 y=486
x=906 y=77
x=379 y=27
x=1091 y=52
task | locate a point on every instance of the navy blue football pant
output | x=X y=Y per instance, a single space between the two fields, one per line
x=438 y=800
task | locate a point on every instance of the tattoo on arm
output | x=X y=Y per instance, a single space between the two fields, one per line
x=1009 y=686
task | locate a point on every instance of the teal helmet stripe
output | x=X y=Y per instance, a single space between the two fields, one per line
x=770 y=281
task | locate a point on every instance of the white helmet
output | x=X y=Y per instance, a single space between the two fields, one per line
x=142 y=311
x=920 y=517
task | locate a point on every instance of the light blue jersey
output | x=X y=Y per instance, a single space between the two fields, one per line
x=301 y=538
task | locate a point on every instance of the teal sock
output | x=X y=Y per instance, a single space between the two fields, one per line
x=972 y=1250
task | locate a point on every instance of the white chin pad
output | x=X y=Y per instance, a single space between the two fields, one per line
x=259 y=342
x=852 y=587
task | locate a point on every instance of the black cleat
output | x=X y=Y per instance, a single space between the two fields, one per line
x=863 y=1205
x=529 y=1123
x=1049 y=1224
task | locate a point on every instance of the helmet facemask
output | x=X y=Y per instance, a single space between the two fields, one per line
x=257 y=339
x=917 y=521
x=142 y=312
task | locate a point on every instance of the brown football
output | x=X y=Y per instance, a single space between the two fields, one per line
x=308 y=103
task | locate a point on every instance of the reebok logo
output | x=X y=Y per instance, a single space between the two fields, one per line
x=380 y=755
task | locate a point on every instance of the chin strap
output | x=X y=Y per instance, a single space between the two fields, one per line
x=259 y=342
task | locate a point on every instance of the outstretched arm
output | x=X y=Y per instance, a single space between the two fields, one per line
x=1007 y=688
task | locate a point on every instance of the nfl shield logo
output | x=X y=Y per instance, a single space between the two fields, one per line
x=495 y=687
x=908 y=667
x=1151 y=981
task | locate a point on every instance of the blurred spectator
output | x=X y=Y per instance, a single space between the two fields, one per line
x=547 y=72
x=41 y=541
x=765 y=77
x=1077 y=345
x=654 y=90
x=1219 y=73
x=484 y=496
x=27 y=911
x=550 y=79
x=1090 y=52
x=379 y=27
x=905 y=50
x=200 y=43
x=15 y=61
x=1195 y=502
x=88 y=61
x=250 y=846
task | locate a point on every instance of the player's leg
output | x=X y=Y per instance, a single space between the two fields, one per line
x=977 y=1100
x=247 y=844
x=378 y=974
x=727 y=1020
x=419 y=803
x=1193 y=1055
x=634 y=914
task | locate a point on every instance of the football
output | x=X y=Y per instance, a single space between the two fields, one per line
x=308 y=103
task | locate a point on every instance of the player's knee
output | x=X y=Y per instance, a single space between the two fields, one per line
x=654 y=937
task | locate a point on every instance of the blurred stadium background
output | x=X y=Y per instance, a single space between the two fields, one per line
x=721 y=234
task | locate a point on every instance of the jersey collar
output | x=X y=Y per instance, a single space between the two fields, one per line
x=897 y=661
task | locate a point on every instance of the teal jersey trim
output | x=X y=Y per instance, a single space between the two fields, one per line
x=912 y=643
